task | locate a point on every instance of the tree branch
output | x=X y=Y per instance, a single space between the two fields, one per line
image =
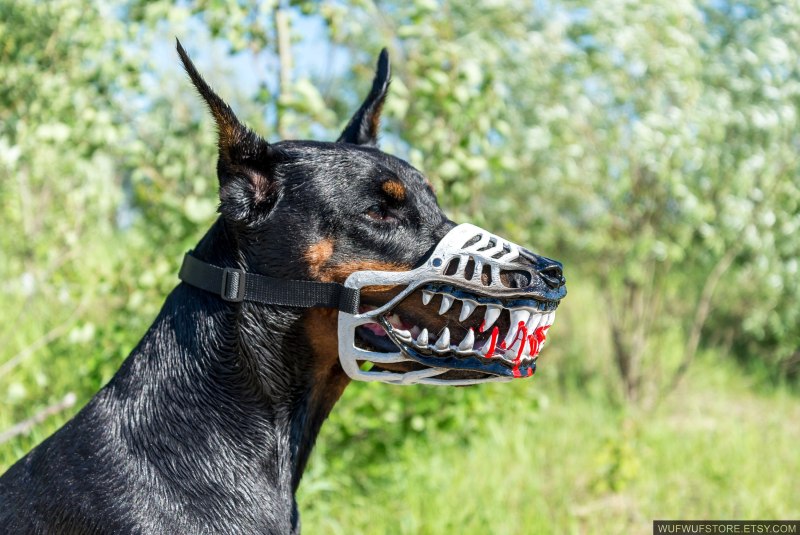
x=700 y=316
x=53 y=334
x=26 y=425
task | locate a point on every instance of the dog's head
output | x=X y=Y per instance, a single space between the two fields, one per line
x=438 y=302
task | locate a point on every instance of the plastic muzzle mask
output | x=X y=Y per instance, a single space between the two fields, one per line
x=477 y=310
x=491 y=309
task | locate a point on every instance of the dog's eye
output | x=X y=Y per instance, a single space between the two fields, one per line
x=377 y=211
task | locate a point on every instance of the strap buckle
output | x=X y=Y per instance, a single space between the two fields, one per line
x=232 y=285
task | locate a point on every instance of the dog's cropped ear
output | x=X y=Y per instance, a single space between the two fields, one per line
x=245 y=160
x=364 y=125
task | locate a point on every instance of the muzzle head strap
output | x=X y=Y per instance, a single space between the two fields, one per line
x=236 y=285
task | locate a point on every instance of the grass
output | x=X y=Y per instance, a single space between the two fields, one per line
x=571 y=464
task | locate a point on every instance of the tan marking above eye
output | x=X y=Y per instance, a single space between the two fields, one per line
x=394 y=189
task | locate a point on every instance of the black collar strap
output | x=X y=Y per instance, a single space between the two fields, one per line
x=236 y=285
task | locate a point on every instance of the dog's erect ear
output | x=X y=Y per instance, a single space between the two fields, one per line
x=245 y=158
x=363 y=127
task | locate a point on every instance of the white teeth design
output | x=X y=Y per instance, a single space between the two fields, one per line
x=466 y=343
x=422 y=339
x=492 y=313
x=518 y=316
x=534 y=322
x=526 y=353
x=510 y=337
x=402 y=334
x=467 y=308
x=532 y=318
x=447 y=302
x=444 y=340
x=514 y=338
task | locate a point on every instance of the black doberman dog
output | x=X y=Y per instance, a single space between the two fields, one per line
x=208 y=424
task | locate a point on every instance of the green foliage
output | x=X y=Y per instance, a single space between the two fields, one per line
x=652 y=147
x=572 y=464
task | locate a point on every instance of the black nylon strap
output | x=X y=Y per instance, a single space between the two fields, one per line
x=236 y=285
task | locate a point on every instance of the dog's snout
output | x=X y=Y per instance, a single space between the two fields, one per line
x=516 y=279
x=551 y=273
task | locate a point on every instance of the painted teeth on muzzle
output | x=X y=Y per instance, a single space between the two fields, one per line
x=467 y=308
x=492 y=313
x=519 y=318
x=506 y=309
x=422 y=339
x=443 y=343
x=468 y=342
x=526 y=334
x=447 y=302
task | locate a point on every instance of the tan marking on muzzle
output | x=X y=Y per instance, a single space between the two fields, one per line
x=340 y=272
x=317 y=255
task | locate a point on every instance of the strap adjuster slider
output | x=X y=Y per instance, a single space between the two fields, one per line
x=232 y=285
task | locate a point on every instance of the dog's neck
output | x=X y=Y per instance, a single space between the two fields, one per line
x=241 y=390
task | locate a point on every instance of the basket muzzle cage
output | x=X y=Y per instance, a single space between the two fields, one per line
x=516 y=292
x=506 y=295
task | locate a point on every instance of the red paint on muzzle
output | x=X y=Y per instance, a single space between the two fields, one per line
x=537 y=339
x=521 y=336
x=492 y=344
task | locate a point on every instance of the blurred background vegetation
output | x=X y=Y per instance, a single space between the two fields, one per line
x=653 y=147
